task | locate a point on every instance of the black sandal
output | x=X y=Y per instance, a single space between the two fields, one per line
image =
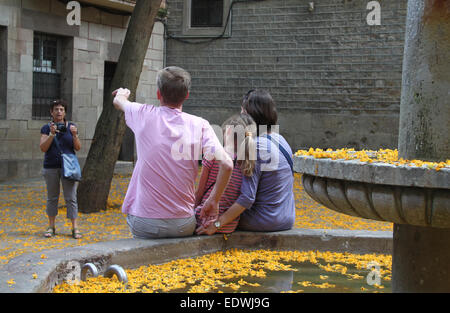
x=50 y=232
x=76 y=234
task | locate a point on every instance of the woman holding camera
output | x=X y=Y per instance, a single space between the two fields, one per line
x=66 y=134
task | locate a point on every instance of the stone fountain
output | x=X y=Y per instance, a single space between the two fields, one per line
x=416 y=200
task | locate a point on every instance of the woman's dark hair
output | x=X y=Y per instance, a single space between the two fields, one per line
x=59 y=102
x=258 y=103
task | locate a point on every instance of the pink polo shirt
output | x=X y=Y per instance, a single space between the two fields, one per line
x=169 y=144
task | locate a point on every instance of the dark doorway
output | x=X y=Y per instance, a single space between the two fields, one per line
x=127 y=149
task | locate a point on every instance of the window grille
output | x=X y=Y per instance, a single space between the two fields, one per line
x=207 y=13
x=46 y=73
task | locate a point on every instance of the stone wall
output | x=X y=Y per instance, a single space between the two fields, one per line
x=335 y=79
x=85 y=50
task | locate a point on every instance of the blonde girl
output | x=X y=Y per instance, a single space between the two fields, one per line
x=239 y=132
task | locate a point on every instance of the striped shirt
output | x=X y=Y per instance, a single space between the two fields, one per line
x=229 y=196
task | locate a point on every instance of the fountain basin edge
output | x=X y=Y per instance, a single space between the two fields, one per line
x=383 y=192
x=373 y=173
x=132 y=253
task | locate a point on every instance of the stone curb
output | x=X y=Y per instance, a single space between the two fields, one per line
x=131 y=253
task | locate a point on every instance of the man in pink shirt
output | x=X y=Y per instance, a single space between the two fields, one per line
x=160 y=199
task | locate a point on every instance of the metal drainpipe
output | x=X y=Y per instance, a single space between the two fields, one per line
x=164 y=45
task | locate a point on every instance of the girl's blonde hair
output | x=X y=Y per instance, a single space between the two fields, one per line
x=244 y=133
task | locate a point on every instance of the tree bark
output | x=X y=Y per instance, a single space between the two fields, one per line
x=98 y=171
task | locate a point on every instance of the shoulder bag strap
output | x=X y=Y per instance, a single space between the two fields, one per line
x=57 y=144
x=285 y=153
x=56 y=140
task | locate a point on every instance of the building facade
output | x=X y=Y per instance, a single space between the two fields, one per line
x=43 y=58
x=335 y=77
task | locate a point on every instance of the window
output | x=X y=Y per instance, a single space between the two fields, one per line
x=206 y=13
x=46 y=73
x=3 y=71
x=206 y=18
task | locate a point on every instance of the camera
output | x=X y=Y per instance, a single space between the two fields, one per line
x=61 y=127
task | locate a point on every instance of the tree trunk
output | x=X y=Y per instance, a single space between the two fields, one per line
x=98 y=171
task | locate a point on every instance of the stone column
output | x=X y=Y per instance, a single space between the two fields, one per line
x=421 y=255
x=420 y=259
x=425 y=101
